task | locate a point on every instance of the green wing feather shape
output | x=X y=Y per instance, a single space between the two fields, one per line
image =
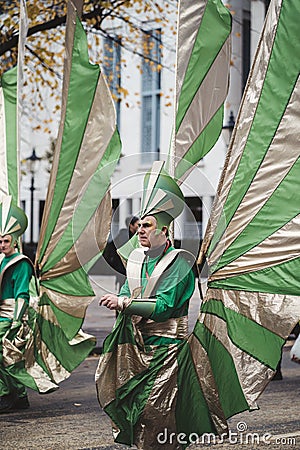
x=252 y=244
x=9 y=167
x=75 y=224
x=202 y=80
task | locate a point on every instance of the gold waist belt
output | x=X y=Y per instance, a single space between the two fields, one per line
x=176 y=328
x=7 y=307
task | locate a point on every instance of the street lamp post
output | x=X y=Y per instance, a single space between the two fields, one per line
x=32 y=162
x=228 y=129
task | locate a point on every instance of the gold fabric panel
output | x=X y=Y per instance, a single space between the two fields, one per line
x=265 y=183
x=253 y=375
x=12 y=351
x=58 y=372
x=115 y=369
x=176 y=328
x=70 y=30
x=263 y=255
x=90 y=243
x=3 y=156
x=7 y=307
x=262 y=308
x=133 y=269
x=208 y=384
x=204 y=103
x=159 y=412
x=80 y=337
x=191 y=15
x=66 y=303
x=94 y=144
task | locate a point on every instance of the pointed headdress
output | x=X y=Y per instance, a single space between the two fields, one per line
x=13 y=220
x=162 y=197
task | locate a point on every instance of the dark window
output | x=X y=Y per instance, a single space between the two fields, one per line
x=112 y=71
x=151 y=85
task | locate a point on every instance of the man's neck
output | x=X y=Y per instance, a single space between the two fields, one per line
x=154 y=252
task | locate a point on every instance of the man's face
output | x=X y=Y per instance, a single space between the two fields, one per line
x=149 y=235
x=6 y=245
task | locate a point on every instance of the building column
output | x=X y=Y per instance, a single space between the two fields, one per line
x=123 y=212
x=179 y=226
x=258 y=12
x=136 y=206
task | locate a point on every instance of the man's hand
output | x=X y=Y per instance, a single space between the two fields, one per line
x=110 y=301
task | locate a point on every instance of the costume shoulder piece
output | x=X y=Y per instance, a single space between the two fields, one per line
x=134 y=269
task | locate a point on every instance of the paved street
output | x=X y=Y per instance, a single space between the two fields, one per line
x=70 y=418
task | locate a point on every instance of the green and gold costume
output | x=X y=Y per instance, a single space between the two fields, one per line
x=16 y=272
x=139 y=356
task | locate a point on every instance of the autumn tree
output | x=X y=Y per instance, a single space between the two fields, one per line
x=119 y=21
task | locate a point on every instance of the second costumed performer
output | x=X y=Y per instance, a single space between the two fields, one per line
x=137 y=374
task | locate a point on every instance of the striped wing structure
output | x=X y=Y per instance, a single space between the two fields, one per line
x=252 y=245
x=76 y=219
x=202 y=77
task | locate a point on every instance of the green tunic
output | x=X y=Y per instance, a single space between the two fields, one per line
x=15 y=281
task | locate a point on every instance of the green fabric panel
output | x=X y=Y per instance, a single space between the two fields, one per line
x=281 y=207
x=230 y=392
x=83 y=82
x=9 y=85
x=132 y=397
x=15 y=282
x=36 y=333
x=282 y=73
x=70 y=324
x=280 y=279
x=190 y=398
x=69 y=356
x=217 y=18
x=122 y=334
x=202 y=145
x=18 y=372
x=98 y=185
x=248 y=335
x=75 y=283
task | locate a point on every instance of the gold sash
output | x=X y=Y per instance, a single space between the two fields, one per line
x=7 y=307
x=175 y=328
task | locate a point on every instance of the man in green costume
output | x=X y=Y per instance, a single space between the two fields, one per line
x=136 y=376
x=16 y=272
